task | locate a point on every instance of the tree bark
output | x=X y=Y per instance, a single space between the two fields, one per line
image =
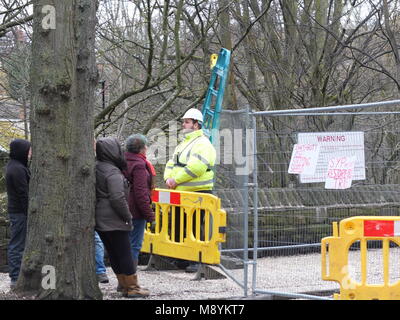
x=62 y=188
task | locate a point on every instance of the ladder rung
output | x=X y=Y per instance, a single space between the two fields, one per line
x=214 y=92
x=219 y=71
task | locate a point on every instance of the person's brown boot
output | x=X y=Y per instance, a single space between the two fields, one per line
x=135 y=268
x=120 y=287
x=133 y=290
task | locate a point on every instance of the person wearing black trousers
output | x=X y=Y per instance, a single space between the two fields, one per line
x=17 y=184
x=113 y=218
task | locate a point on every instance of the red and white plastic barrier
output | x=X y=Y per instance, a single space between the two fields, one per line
x=166 y=197
x=381 y=228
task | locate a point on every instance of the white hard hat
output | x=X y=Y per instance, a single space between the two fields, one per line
x=193 y=113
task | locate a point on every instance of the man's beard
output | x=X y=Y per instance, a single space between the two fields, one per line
x=186 y=131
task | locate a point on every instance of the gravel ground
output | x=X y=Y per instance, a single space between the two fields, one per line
x=289 y=275
x=293 y=274
x=163 y=285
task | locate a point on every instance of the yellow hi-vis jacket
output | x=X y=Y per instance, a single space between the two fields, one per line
x=192 y=163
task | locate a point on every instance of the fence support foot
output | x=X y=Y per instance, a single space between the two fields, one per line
x=157 y=262
x=208 y=272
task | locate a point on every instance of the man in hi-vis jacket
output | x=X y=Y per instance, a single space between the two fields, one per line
x=191 y=167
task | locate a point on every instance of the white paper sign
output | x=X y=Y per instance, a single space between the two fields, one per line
x=340 y=173
x=304 y=159
x=334 y=145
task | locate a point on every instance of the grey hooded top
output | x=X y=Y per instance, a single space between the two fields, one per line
x=112 y=210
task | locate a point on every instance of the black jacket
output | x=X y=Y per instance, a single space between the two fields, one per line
x=18 y=176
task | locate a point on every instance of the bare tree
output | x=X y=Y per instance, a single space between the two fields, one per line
x=13 y=13
x=161 y=60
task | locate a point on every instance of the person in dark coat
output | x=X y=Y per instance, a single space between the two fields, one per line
x=17 y=184
x=140 y=173
x=113 y=218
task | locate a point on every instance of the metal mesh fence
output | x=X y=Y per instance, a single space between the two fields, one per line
x=231 y=173
x=231 y=186
x=296 y=210
x=283 y=217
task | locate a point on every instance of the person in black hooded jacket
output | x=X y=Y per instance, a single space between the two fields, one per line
x=17 y=185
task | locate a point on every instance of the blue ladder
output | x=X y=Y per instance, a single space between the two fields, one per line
x=212 y=105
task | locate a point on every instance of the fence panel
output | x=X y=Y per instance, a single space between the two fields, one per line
x=232 y=187
x=293 y=212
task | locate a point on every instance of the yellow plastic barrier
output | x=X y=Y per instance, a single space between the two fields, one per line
x=189 y=226
x=336 y=248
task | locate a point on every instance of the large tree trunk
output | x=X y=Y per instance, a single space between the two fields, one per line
x=62 y=190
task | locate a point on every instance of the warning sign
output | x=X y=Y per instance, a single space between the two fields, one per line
x=334 y=145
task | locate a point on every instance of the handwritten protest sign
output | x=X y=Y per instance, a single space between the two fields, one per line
x=304 y=159
x=340 y=173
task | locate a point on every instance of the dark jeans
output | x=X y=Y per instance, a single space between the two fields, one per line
x=17 y=243
x=119 y=251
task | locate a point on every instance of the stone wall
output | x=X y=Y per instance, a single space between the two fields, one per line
x=4 y=233
x=4 y=239
x=4 y=224
x=3 y=162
